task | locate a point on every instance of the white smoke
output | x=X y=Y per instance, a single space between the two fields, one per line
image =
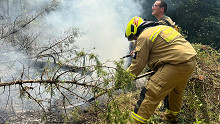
x=103 y=21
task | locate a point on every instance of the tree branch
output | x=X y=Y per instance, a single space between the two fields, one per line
x=44 y=81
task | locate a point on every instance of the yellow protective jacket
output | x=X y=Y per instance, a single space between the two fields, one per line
x=160 y=45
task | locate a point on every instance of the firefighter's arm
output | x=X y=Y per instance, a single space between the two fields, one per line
x=140 y=58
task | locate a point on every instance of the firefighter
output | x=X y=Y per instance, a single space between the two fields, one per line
x=165 y=51
x=159 y=9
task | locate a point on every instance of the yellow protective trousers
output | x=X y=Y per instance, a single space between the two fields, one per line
x=169 y=79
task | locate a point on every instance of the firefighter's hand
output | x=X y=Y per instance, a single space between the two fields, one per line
x=132 y=53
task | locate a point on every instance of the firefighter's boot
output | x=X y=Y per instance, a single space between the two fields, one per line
x=170 y=116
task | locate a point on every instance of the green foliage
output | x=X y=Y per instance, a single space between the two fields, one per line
x=122 y=77
x=80 y=54
x=115 y=115
x=72 y=116
x=118 y=112
x=202 y=92
x=114 y=111
x=198 y=19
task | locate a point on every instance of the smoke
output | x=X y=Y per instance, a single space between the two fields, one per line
x=10 y=61
x=102 y=21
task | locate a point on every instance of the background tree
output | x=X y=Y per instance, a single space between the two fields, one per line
x=199 y=19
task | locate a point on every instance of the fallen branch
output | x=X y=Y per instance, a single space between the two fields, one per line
x=44 y=81
x=112 y=88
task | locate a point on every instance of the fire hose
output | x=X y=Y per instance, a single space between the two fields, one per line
x=129 y=55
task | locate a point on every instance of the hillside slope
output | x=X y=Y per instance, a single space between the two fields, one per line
x=201 y=99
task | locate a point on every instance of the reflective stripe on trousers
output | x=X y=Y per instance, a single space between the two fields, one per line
x=139 y=118
x=172 y=112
